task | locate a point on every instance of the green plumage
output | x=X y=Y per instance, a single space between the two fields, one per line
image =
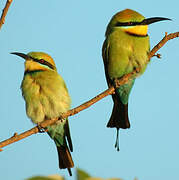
x=125 y=53
x=47 y=97
x=122 y=53
x=45 y=94
x=125 y=48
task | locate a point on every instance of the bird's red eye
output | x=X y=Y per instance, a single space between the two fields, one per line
x=41 y=60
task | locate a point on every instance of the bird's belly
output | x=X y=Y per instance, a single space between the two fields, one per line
x=126 y=53
x=43 y=102
x=124 y=60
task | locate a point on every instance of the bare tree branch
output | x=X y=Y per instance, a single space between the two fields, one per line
x=87 y=104
x=4 y=12
x=162 y=43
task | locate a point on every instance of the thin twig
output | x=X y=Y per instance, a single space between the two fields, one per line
x=87 y=104
x=162 y=43
x=4 y=12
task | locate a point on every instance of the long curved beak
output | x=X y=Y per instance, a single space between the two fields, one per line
x=153 y=20
x=24 y=56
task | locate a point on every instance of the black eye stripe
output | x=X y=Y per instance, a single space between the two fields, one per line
x=42 y=61
x=128 y=23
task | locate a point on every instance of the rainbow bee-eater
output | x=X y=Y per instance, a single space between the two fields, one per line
x=125 y=49
x=46 y=97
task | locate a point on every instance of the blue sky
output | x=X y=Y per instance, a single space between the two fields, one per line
x=72 y=32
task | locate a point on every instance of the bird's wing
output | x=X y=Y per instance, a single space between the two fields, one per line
x=105 y=55
x=68 y=136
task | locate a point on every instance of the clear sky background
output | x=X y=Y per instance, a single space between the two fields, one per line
x=72 y=32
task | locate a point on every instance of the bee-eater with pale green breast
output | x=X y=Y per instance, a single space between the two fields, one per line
x=47 y=97
x=125 y=49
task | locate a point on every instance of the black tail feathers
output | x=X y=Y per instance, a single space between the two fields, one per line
x=119 y=117
x=65 y=159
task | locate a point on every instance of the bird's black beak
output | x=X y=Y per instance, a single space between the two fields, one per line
x=24 y=56
x=153 y=20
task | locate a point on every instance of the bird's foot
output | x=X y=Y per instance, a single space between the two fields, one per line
x=41 y=129
x=116 y=83
x=159 y=56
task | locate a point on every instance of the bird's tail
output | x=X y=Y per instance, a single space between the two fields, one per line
x=60 y=133
x=119 y=117
x=65 y=159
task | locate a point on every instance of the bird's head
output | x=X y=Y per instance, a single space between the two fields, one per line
x=37 y=61
x=131 y=22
